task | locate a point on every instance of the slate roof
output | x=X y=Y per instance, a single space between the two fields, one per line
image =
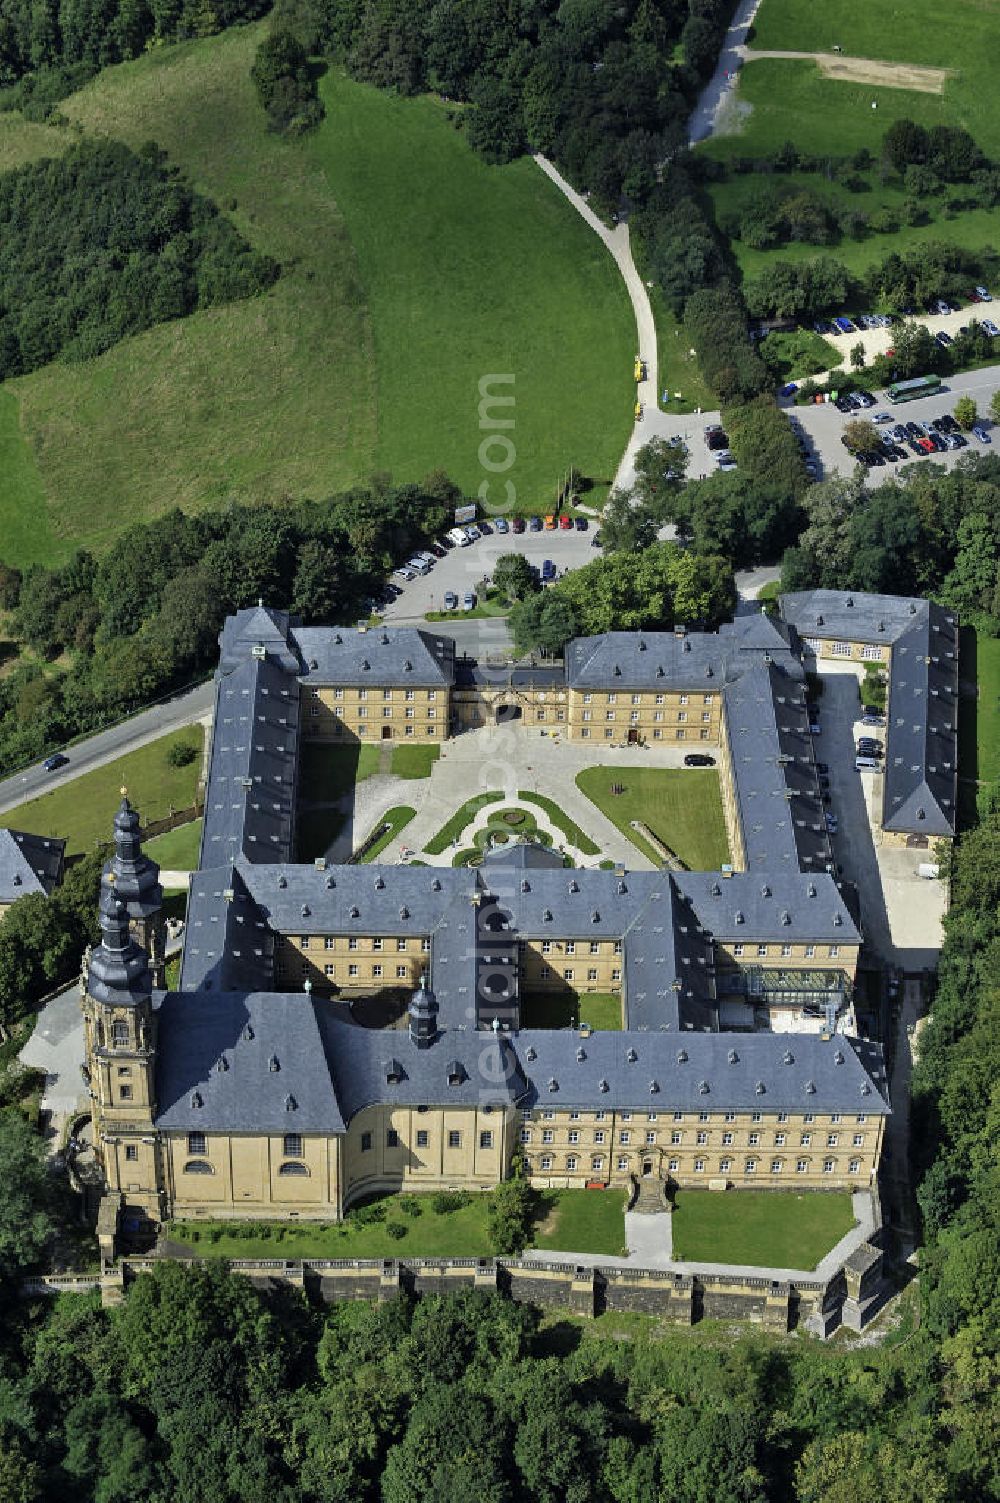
x=468 y=672
x=920 y=786
x=228 y=943
x=646 y=660
x=783 y=907
x=250 y=795
x=275 y=1062
x=359 y=656
x=28 y=863
x=258 y=628
x=777 y=789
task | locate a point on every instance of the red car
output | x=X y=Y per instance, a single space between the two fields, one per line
x=926 y=445
x=565 y=524
x=517 y=524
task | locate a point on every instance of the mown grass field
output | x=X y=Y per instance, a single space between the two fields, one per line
x=82 y=811
x=791 y=100
x=988 y=709
x=22 y=142
x=776 y=1229
x=682 y=806
x=24 y=525
x=601 y=1010
x=903 y=31
x=484 y=271
x=368 y=351
x=177 y=850
x=260 y=399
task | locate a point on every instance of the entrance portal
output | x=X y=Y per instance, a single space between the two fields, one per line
x=633 y=735
x=506 y=713
x=387 y=733
x=647 y=1168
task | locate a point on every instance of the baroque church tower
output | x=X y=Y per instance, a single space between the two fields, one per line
x=119 y=1021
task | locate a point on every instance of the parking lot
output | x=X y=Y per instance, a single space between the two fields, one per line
x=464 y=569
x=877 y=340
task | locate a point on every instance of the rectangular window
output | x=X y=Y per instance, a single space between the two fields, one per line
x=612 y=699
x=834 y=1116
x=805 y=1140
x=775 y=1166
x=293 y=1145
x=699 y=1166
x=651 y=1116
x=423 y=1137
x=328 y=942
x=833 y=951
x=454 y=1139
x=599 y=1136
x=352 y=970
x=762 y=949
x=782 y=1116
x=570 y=947
x=779 y=1140
x=808 y=1117
x=599 y=1116
x=750 y=1167
x=622 y=1165
x=525 y=1135
x=831 y=1140
x=352 y=944
x=624 y=1137
x=304 y=942
x=828 y=1166
x=486 y=1139
x=597 y=1163
x=400 y=971
x=730 y=1117
x=366 y=1142
x=756 y=1117
x=727 y=1140
x=376 y=944
x=196 y=1143
x=859 y=1141
x=592 y=973
x=574 y=1135
x=854 y=1167
x=702 y=1138
x=786 y=950
x=548 y=1136
x=124 y=1071
x=391 y=1138
x=571 y=1162
x=545 y=1161
x=738 y=949
x=725 y=1165
x=754 y=1139
x=376 y=971
x=810 y=952
x=702 y=1116
x=546 y=947
x=595 y=947
x=616 y=974
x=574 y=1116
x=860 y=1117
x=840 y=649
x=567 y=973
x=801 y=1165
x=329 y=970
x=871 y=654
x=131 y=1152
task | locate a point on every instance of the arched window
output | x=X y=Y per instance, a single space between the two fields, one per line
x=119 y=1032
x=292 y=1168
x=198 y=1166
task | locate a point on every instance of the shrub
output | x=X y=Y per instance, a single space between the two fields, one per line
x=395 y=1230
x=510 y=1215
x=446 y=1201
x=181 y=754
x=514 y=817
x=410 y=1206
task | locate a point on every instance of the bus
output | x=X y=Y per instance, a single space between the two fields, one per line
x=909 y=391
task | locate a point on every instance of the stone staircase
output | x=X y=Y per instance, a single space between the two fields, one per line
x=651 y=1195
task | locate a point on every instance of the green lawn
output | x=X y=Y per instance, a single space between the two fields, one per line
x=82 y=811
x=567 y=1010
x=776 y=1228
x=326 y=773
x=682 y=807
x=178 y=849
x=486 y=271
x=799 y=353
x=259 y=400
x=22 y=142
x=25 y=537
x=988 y=708
x=587 y=1221
x=902 y=31
x=574 y=1221
x=453 y=827
x=569 y=828
x=414 y=761
x=397 y=820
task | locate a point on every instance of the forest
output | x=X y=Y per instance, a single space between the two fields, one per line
x=104 y=242
x=145 y=618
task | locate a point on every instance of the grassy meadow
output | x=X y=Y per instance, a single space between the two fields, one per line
x=410 y=270
x=682 y=807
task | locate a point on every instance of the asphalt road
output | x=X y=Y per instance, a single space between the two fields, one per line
x=183 y=710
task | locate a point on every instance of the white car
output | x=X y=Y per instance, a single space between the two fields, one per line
x=402 y=573
x=984 y=295
x=458 y=537
x=882 y=417
x=990 y=328
x=469 y=600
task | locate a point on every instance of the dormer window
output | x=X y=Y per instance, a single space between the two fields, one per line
x=456 y=1073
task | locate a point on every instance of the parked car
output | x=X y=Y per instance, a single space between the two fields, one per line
x=863 y=399
x=943 y=338
x=450 y=600
x=581 y=524
x=844 y=325
x=403 y=573
x=472 y=533
x=871 y=717
x=57 y=760
x=882 y=417
x=990 y=328
x=984 y=295
x=445 y=542
x=438 y=551
x=458 y=537
x=501 y=525
x=718 y=440
x=980 y=432
x=484 y=529
x=550 y=522
x=942 y=307
x=727 y=464
x=469 y=600
x=548 y=570
x=565 y=523
x=534 y=524
x=517 y=524
x=698 y=759
x=843 y=405
x=946 y=423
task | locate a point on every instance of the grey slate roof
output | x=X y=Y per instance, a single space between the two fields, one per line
x=921 y=762
x=359 y=656
x=782 y=907
x=228 y=944
x=777 y=789
x=258 y=629
x=646 y=660
x=28 y=863
x=250 y=796
x=216 y=1068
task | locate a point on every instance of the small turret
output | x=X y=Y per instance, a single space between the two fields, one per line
x=137 y=883
x=423 y=1016
x=119 y=967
